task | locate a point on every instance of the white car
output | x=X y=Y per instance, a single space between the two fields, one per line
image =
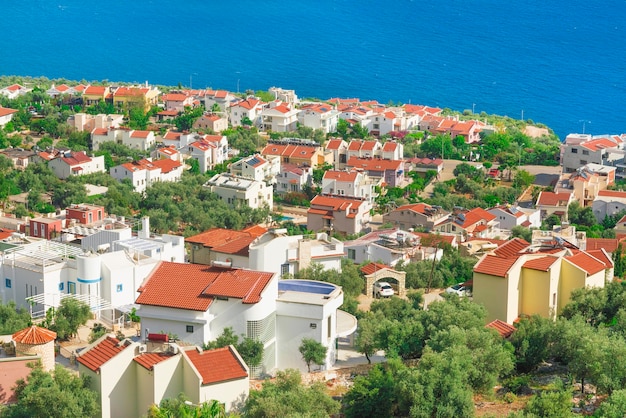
x=459 y=290
x=383 y=289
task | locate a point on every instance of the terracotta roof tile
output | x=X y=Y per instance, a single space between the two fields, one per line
x=373 y=267
x=511 y=248
x=34 y=335
x=341 y=175
x=4 y=111
x=494 y=265
x=334 y=203
x=608 y=244
x=554 y=199
x=99 y=354
x=148 y=360
x=612 y=193
x=194 y=286
x=541 y=263
x=587 y=262
x=219 y=365
x=375 y=164
x=504 y=329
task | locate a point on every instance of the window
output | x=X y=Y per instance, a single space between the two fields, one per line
x=189 y=328
x=61 y=286
x=7 y=283
x=583 y=162
x=71 y=288
x=585 y=152
x=574 y=151
x=329 y=326
x=118 y=288
x=284 y=269
x=351 y=253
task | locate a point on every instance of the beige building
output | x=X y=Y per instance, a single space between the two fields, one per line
x=131 y=376
x=236 y=191
x=419 y=215
x=335 y=214
x=517 y=279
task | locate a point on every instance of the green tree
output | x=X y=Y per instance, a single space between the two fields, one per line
x=250 y=350
x=532 y=341
x=522 y=232
x=137 y=117
x=551 y=404
x=181 y=407
x=185 y=121
x=313 y=352
x=97 y=331
x=614 y=406
x=367 y=336
x=373 y=395
x=12 y=318
x=70 y=315
x=287 y=397
x=50 y=395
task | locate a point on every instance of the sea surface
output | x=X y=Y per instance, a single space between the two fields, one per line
x=561 y=63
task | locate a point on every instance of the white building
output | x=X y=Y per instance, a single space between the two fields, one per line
x=349 y=184
x=279 y=313
x=279 y=253
x=6 y=115
x=293 y=178
x=144 y=173
x=208 y=150
x=512 y=216
x=76 y=164
x=237 y=191
x=257 y=168
x=279 y=117
x=320 y=116
x=389 y=246
x=249 y=109
x=85 y=122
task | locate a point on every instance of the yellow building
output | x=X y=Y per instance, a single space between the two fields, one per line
x=518 y=279
x=126 y=97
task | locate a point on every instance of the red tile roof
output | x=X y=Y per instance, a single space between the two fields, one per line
x=511 y=248
x=170 y=135
x=612 y=193
x=34 y=335
x=219 y=365
x=247 y=104
x=374 y=267
x=494 y=265
x=504 y=329
x=602 y=256
x=375 y=164
x=148 y=360
x=140 y=134
x=194 y=286
x=587 y=262
x=598 y=144
x=335 y=203
x=554 y=199
x=608 y=244
x=95 y=90
x=228 y=241
x=174 y=97
x=341 y=175
x=4 y=111
x=76 y=158
x=99 y=354
x=334 y=144
x=541 y=263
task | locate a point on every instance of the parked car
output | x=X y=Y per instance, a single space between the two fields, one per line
x=383 y=289
x=459 y=290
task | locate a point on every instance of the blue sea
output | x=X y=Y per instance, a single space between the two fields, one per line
x=561 y=63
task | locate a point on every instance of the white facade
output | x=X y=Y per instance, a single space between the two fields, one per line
x=144 y=173
x=279 y=253
x=349 y=184
x=239 y=191
x=76 y=164
x=513 y=216
x=279 y=118
x=257 y=168
x=319 y=116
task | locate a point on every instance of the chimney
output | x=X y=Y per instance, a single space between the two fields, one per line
x=145 y=228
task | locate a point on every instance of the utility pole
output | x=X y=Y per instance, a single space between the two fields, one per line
x=584 y=122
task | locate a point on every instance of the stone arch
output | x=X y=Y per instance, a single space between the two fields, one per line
x=398 y=277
